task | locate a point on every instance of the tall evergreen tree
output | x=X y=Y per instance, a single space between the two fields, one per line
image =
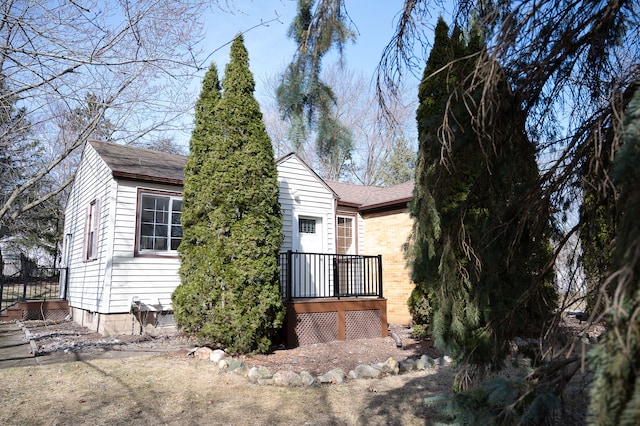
x=615 y=394
x=400 y=166
x=231 y=221
x=476 y=247
x=598 y=223
x=303 y=98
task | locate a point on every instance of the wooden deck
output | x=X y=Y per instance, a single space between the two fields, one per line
x=323 y=320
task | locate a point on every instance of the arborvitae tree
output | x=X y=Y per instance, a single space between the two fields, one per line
x=476 y=248
x=192 y=300
x=615 y=393
x=231 y=220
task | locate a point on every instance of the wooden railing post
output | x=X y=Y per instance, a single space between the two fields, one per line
x=380 y=276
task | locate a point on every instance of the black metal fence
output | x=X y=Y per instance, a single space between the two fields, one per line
x=34 y=284
x=322 y=275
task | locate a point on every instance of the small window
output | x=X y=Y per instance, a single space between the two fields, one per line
x=160 y=229
x=346 y=240
x=92 y=223
x=91 y=227
x=307 y=226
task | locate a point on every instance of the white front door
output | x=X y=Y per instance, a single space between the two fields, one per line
x=310 y=234
x=309 y=270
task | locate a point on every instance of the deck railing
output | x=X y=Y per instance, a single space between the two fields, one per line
x=322 y=275
x=35 y=284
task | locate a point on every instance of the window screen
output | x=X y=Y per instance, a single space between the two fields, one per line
x=160 y=227
x=307 y=226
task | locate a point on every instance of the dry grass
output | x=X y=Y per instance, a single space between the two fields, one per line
x=165 y=389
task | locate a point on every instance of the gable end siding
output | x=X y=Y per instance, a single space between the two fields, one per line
x=87 y=279
x=302 y=193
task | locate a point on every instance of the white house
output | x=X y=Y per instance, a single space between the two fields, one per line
x=122 y=229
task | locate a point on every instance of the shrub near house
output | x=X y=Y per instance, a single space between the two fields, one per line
x=231 y=219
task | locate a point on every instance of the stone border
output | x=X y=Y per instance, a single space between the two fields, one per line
x=263 y=376
x=30 y=337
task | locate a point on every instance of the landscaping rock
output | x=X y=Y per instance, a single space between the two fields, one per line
x=384 y=367
x=335 y=376
x=238 y=367
x=307 y=378
x=425 y=361
x=252 y=375
x=406 y=365
x=217 y=355
x=223 y=364
x=202 y=353
x=256 y=374
x=287 y=378
x=364 y=371
x=393 y=365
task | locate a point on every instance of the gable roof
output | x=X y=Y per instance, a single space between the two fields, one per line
x=369 y=198
x=312 y=172
x=147 y=165
x=141 y=164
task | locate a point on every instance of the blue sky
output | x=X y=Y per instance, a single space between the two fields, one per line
x=269 y=48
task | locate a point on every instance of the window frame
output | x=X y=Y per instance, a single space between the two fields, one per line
x=172 y=196
x=91 y=231
x=354 y=233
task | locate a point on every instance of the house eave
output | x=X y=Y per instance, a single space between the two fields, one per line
x=147 y=178
x=347 y=204
x=389 y=205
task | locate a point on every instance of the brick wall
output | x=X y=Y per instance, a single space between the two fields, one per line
x=387 y=234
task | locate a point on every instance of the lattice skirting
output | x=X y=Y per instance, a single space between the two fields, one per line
x=362 y=324
x=326 y=320
x=316 y=327
x=44 y=314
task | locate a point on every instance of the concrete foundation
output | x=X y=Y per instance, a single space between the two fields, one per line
x=130 y=323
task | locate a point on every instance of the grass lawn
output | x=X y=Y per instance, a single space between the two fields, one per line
x=165 y=389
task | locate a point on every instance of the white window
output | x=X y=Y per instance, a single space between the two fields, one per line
x=346 y=241
x=91 y=226
x=307 y=226
x=159 y=230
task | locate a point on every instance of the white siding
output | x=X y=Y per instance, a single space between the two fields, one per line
x=108 y=284
x=152 y=279
x=85 y=285
x=303 y=193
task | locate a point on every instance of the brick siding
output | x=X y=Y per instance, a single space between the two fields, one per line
x=387 y=234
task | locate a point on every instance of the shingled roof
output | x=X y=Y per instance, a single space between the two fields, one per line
x=141 y=164
x=155 y=166
x=368 y=198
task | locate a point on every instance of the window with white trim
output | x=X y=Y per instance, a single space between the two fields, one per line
x=159 y=229
x=92 y=223
x=307 y=226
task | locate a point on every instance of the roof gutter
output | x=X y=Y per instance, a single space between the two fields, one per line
x=147 y=178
